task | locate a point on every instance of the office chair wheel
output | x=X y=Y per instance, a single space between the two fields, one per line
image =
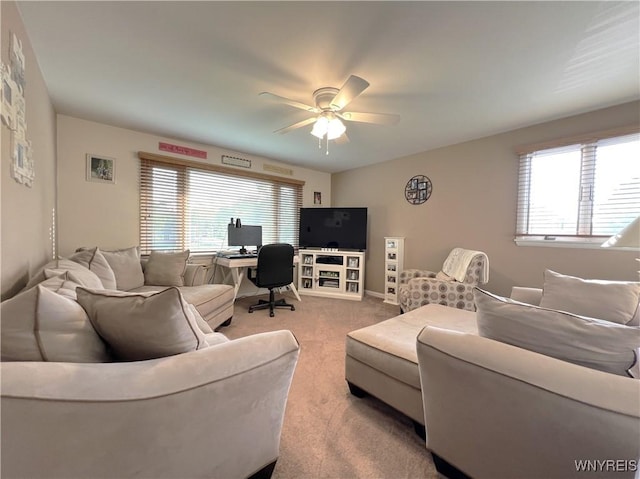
x=272 y=314
x=293 y=308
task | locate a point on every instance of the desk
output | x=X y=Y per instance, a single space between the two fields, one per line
x=235 y=269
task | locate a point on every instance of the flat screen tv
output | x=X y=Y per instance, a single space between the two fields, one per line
x=342 y=228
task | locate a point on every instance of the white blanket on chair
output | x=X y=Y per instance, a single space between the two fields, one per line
x=458 y=261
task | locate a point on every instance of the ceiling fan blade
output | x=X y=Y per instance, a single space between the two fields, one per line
x=377 y=118
x=300 y=124
x=342 y=139
x=287 y=101
x=351 y=89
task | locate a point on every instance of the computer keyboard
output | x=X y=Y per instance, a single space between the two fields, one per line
x=241 y=256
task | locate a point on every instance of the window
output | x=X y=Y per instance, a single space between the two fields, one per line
x=188 y=205
x=582 y=192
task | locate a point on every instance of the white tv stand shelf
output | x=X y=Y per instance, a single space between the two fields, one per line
x=331 y=273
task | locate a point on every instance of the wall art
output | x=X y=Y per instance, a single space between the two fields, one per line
x=13 y=111
x=101 y=169
x=418 y=190
x=22 y=160
x=7 y=89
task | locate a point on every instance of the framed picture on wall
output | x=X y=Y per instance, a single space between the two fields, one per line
x=7 y=93
x=101 y=169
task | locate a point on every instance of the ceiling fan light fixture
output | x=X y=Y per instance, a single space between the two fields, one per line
x=320 y=127
x=335 y=129
x=332 y=127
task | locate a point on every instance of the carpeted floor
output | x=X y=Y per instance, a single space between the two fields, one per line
x=328 y=433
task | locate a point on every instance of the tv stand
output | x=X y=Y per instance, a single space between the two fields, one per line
x=334 y=274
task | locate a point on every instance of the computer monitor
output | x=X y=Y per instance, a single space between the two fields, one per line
x=244 y=236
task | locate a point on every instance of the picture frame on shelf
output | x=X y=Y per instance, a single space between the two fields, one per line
x=101 y=169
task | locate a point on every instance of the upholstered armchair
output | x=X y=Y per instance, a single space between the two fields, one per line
x=452 y=286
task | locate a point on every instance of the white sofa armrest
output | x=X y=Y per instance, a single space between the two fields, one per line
x=495 y=410
x=195 y=274
x=215 y=412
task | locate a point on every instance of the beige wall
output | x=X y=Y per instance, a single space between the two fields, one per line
x=27 y=213
x=473 y=206
x=106 y=215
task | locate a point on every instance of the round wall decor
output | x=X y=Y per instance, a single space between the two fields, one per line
x=418 y=190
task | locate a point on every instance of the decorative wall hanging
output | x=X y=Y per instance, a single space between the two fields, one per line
x=234 y=161
x=13 y=113
x=182 y=150
x=101 y=169
x=8 y=87
x=418 y=190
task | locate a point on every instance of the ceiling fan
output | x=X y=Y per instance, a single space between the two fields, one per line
x=328 y=111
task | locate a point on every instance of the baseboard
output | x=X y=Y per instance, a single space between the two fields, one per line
x=375 y=294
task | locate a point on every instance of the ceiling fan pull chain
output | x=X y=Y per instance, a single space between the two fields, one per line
x=327 y=153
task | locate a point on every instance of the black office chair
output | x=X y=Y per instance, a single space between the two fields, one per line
x=274 y=270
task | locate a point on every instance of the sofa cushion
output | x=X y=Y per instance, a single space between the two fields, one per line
x=589 y=342
x=615 y=301
x=166 y=269
x=126 y=267
x=59 y=266
x=209 y=299
x=81 y=275
x=42 y=325
x=92 y=259
x=139 y=326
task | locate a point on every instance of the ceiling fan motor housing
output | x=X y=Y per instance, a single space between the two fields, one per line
x=324 y=96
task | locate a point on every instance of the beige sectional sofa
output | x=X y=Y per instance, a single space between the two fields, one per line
x=524 y=387
x=131 y=381
x=125 y=270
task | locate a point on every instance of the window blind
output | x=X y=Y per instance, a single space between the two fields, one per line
x=187 y=206
x=588 y=189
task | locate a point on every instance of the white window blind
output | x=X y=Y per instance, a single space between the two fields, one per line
x=188 y=206
x=586 y=190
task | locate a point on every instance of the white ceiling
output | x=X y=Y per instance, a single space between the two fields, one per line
x=454 y=71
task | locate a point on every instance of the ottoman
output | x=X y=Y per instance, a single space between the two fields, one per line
x=381 y=359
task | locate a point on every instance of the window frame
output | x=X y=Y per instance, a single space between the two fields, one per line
x=169 y=162
x=585 y=142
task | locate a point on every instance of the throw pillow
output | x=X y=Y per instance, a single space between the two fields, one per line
x=41 y=325
x=126 y=267
x=139 y=326
x=80 y=275
x=615 y=301
x=590 y=342
x=59 y=266
x=94 y=260
x=64 y=284
x=166 y=269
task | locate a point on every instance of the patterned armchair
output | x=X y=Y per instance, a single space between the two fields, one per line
x=452 y=286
